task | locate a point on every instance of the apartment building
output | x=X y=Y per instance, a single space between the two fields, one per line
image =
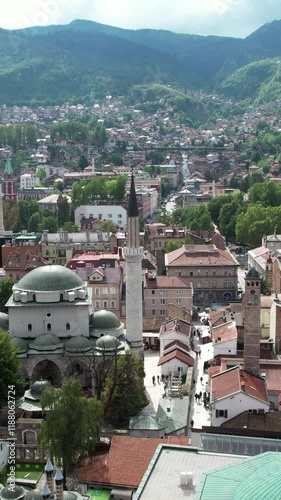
x=160 y=291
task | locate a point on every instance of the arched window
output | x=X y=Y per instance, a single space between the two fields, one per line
x=67 y=326
x=34 y=297
x=29 y=327
x=61 y=297
x=49 y=327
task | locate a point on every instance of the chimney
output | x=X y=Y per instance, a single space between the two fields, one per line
x=59 y=485
x=120 y=252
x=49 y=469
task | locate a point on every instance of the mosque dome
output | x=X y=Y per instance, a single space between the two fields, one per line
x=33 y=495
x=69 y=495
x=4 y=321
x=12 y=494
x=78 y=344
x=46 y=340
x=21 y=344
x=105 y=320
x=38 y=387
x=108 y=343
x=49 y=278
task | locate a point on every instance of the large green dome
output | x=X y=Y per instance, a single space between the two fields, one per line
x=78 y=344
x=105 y=320
x=46 y=340
x=50 y=278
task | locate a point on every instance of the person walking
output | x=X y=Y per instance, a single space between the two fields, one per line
x=201 y=380
x=158 y=379
x=153 y=380
x=199 y=352
x=191 y=423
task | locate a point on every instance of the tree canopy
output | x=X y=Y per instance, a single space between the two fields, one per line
x=124 y=394
x=6 y=290
x=9 y=369
x=99 y=189
x=72 y=424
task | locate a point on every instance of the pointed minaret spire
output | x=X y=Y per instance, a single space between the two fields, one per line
x=133 y=210
x=59 y=485
x=133 y=253
x=46 y=493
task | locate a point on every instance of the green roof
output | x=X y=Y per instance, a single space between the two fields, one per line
x=33 y=495
x=78 y=343
x=15 y=494
x=253 y=274
x=21 y=344
x=8 y=167
x=99 y=494
x=49 y=278
x=145 y=422
x=104 y=320
x=256 y=478
x=46 y=340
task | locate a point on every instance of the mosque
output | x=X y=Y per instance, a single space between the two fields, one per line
x=53 y=325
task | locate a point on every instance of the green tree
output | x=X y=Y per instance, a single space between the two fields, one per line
x=41 y=174
x=59 y=185
x=72 y=423
x=34 y=221
x=70 y=227
x=256 y=221
x=99 y=137
x=6 y=286
x=124 y=394
x=50 y=223
x=63 y=210
x=10 y=367
x=171 y=246
x=109 y=226
x=83 y=163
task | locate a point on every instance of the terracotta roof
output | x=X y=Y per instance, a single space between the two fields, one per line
x=194 y=255
x=176 y=344
x=152 y=324
x=229 y=382
x=176 y=353
x=175 y=325
x=167 y=281
x=224 y=332
x=124 y=464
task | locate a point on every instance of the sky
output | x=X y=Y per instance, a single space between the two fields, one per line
x=236 y=18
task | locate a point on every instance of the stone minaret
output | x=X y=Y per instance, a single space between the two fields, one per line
x=49 y=469
x=133 y=255
x=1 y=210
x=59 y=485
x=46 y=493
x=252 y=328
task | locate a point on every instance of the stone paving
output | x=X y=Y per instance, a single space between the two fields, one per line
x=199 y=414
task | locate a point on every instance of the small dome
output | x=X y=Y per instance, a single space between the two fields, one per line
x=33 y=495
x=15 y=494
x=69 y=495
x=49 y=278
x=46 y=340
x=38 y=387
x=105 y=320
x=4 y=321
x=107 y=342
x=77 y=344
x=21 y=344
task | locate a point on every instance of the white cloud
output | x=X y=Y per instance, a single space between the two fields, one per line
x=225 y=17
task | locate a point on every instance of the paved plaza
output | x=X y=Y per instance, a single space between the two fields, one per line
x=199 y=414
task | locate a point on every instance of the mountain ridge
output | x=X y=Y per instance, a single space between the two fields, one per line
x=94 y=59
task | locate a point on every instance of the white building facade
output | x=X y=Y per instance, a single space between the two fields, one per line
x=115 y=213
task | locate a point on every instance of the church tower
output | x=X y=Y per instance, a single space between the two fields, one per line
x=8 y=182
x=252 y=328
x=133 y=255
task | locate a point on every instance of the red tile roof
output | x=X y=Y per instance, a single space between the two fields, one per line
x=181 y=356
x=224 y=332
x=229 y=382
x=124 y=464
x=176 y=344
x=203 y=255
x=167 y=282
